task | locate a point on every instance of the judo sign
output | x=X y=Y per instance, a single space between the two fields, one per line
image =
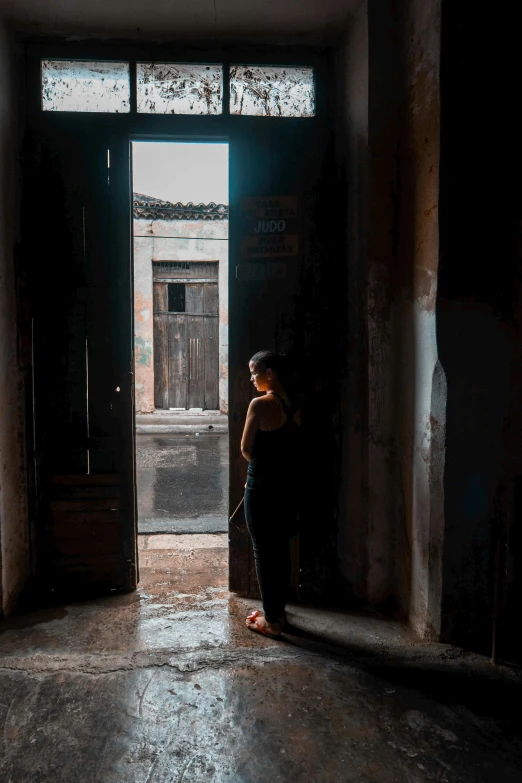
x=270 y=227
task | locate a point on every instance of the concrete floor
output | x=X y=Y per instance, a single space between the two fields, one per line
x=166 y=685
x=182 y=483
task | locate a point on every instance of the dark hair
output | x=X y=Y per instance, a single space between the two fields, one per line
x=281 y=364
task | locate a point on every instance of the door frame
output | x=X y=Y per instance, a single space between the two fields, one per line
x=135 y=127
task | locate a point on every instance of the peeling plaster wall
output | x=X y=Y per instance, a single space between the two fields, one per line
x=391 y=505
x=423 y=427
x=14 y=542
x=406 y=384
x=143 y=325
x=177 y=240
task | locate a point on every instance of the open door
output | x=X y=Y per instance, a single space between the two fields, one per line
x=77 y=264
x=277 y=262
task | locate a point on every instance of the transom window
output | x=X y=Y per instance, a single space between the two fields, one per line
x=272 y=92
x=176 y=88
x=166 y=88
x=77 y=85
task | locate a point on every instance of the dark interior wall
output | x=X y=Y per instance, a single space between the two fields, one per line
x=367 y=136
x=388 y=146
x=353 y=160
x=478 y=310
x=385 y=498
x=14 y=551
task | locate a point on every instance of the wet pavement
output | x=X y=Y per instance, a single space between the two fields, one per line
x=182 y=483
x=166 y=685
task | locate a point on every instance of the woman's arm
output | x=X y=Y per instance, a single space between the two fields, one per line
x=250 y=429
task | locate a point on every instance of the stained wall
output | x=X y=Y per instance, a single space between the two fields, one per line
x=391 y=498
x=421 y=382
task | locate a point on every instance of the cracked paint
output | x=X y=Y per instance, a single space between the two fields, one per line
x=143 y=352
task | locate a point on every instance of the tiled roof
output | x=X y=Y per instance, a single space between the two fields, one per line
x=154 y=209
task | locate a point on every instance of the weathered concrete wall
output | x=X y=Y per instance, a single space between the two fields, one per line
x=14 y=542
x=405 y=383
x=143 y=324
x=176 y=240
x=390 y=538
x=422 y=442
x=372 y=507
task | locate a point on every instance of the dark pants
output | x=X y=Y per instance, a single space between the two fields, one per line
x=270 y=515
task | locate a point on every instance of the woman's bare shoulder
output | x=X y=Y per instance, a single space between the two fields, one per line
x=263 y=403
x=259 y=404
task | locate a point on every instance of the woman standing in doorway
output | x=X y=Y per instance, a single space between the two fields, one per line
x=270 y=444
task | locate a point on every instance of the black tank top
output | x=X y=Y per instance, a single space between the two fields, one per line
x=274 y=451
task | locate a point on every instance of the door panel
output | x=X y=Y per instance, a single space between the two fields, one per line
x=80 y=299
x=161 y=361
x=161 y=345
x=276 y=305
x=210 y=291
x=196 y=350
x=161 y=297
x=211 y=338
x=211 y=371
x=194 y=298
x=178 y=361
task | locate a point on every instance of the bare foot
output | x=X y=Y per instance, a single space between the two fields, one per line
x=256 y=622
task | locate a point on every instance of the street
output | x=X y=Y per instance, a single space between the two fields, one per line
x=182 y=483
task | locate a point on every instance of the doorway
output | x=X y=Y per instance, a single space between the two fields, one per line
x=90 y=340
x=180 y=229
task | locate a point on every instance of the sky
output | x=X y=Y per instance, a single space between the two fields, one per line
x=175 y=171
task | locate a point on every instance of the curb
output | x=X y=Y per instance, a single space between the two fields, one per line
x=185 y=429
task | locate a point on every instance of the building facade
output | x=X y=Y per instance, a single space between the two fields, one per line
x=174 y=241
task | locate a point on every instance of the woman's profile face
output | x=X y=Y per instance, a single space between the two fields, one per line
x=260 y=378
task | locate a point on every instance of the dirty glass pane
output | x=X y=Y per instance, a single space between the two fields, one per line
x=170 y=88
x=69 y=85
x=176 y=292
x=272 y=92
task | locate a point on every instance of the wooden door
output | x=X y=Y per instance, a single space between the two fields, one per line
x=280 y=302
x=196 y=346
x=211 y=342
x=76 y=258
x=186 y=346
